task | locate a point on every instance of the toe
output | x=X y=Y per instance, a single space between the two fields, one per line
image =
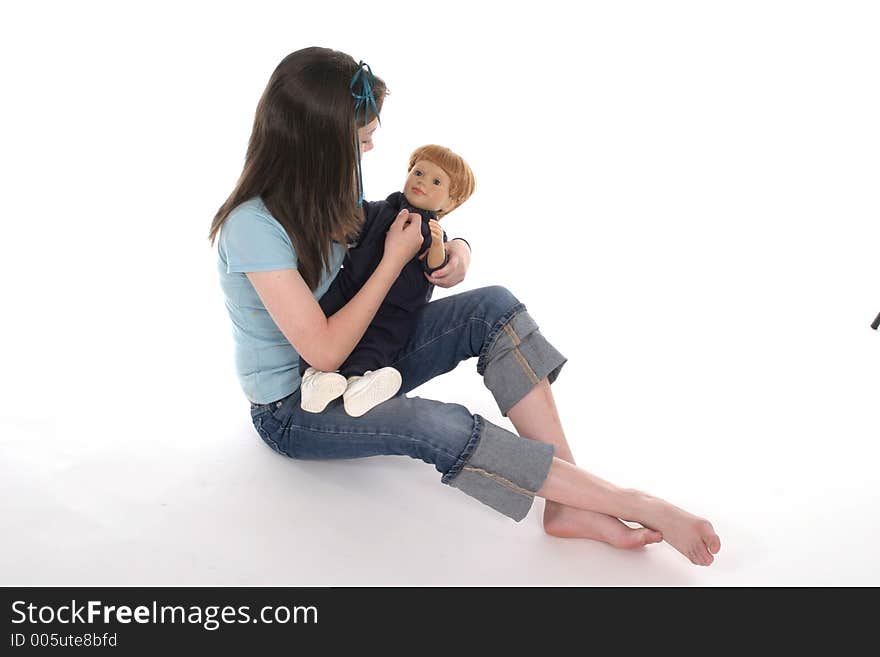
x=627 y=538
x=624 y=540
x=649 y=536
x=703 y=556
x=713 y=543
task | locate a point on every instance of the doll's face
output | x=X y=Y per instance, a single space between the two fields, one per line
x=427 y=187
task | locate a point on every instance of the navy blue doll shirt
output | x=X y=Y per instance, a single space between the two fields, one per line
x=387 y=334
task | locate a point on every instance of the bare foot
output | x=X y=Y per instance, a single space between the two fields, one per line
x=569 y=522
x=692 y=536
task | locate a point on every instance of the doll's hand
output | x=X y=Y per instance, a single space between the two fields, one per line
x=454 y=271
x=436 y=231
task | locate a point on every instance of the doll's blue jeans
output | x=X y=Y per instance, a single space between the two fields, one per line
x=481 y=459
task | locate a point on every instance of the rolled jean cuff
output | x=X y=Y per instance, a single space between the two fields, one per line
x=516 y=358
x=501 y=469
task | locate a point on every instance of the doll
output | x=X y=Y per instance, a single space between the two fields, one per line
x=437 y=182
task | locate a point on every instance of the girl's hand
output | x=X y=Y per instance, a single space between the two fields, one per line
x=404 y=238
x=456 y=269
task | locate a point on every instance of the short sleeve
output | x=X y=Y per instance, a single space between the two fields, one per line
x=253 y=241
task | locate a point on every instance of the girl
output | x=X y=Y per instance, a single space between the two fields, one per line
x=281 y=241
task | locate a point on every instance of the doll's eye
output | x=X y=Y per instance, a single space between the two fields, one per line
x=418 y=173
x=437 y=181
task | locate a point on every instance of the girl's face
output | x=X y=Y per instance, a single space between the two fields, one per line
x=427 y=187
x=365 y=136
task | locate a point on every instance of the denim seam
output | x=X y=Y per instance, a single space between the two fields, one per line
x=466 y=453
x=442 y=335
x=515 y=339
x=372 y=433
x=501 y=480
x=494 y=333
x=513 y=336
x=266 y=436
x=525 y=365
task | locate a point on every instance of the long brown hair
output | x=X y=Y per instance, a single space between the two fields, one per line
x=302 y=155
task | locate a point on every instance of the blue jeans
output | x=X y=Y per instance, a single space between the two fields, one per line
x=483 y=460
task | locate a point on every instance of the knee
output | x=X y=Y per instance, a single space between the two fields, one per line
x=498 y=301
x=499 y=306
x=492 y=307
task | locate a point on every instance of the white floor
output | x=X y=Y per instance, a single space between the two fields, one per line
x=162 y=492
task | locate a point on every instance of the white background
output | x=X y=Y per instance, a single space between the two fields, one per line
x=684 y=194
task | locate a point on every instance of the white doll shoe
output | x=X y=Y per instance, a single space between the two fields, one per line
x=370 y=390
x=319 y=389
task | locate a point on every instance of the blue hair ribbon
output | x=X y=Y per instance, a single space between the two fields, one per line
x=364 y=101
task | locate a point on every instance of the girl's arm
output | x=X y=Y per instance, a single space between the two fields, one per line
x=325 y=342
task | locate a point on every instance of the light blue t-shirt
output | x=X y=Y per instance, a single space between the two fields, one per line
x=252 y=240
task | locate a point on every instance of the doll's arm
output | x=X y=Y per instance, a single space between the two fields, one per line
x=437 y=257
x=454 y=272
